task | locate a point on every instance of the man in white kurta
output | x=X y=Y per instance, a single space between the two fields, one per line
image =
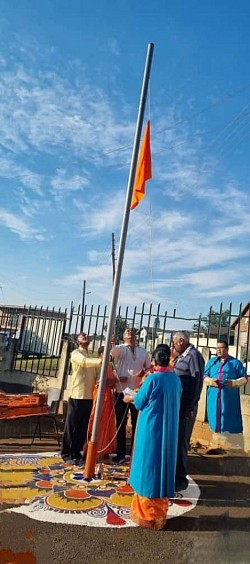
x=131 y=362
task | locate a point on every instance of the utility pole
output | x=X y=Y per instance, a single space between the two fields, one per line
x=84 y=293
x=83 y=305
x=113 y=255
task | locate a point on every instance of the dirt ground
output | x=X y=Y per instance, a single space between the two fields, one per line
x=217 y=530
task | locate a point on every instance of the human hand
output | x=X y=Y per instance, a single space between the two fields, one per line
x=127 y=399
x=141 y=374
x=228 y=384
x=135 y=373
x=214 y=383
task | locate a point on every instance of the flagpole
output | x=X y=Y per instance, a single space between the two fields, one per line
x=93 y=444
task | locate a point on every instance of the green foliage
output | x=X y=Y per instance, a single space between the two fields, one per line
x=157 y=323
x=216 y=319
x=212 y=319
x=120 y=326
x=200 y=325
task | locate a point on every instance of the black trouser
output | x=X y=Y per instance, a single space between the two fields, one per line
x=121 y=411
x=185 y=432
x=76 y=426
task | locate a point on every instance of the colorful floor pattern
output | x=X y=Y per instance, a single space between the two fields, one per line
x=44 y=488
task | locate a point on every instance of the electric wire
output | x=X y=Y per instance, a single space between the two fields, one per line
x=237 y=118
x=227 y=153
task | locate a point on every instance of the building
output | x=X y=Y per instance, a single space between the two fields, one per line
x=150 y=337
x=241 y=326
x=241 y=329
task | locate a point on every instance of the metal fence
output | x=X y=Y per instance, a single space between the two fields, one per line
x=40 y=331
x=154 y=325
x=157 y=323
x=9 y=324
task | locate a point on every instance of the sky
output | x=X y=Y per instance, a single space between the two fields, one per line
x=70 y=79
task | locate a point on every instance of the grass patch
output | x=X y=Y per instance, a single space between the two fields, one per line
x=38 y=365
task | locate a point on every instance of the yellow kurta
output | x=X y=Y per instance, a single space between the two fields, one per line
x=85 y=371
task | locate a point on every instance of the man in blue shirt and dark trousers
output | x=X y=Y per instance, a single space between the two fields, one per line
x=189 y=366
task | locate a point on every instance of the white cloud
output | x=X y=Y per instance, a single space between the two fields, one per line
x=99 y=278
x=235 y=290
x=19 y=226
x=173 y=221
x=28 y=205
x=30 y=180
x=44 y=111
x=64 y=182
x=103 y=215
x=114 y=48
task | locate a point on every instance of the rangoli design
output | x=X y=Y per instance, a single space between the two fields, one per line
x=44 y=488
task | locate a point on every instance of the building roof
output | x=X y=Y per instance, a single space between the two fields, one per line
x=37 y=311
x=244 y=310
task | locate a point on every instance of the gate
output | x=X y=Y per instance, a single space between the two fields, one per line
x=39 y=341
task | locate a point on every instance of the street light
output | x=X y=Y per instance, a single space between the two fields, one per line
x=84 y=293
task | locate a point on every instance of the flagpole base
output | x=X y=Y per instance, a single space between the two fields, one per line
x=89 y=469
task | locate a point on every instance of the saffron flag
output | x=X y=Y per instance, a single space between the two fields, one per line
x=143 y=171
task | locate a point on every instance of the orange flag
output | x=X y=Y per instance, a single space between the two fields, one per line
x=143 y=171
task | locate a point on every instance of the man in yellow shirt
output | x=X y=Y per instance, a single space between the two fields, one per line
x=85 y=371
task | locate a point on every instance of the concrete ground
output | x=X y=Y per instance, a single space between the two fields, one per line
x=217 y=530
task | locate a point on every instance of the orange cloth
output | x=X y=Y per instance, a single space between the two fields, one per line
x=149 y=513
x=144 y=170
x=107 y=429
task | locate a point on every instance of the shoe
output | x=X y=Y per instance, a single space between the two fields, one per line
x=118 y=460
x=180 y=486
x=80 y=463
x=72 y=461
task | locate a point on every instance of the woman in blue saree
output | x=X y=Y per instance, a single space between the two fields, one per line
x=152 y=474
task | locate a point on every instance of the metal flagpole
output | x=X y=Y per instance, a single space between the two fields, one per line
x=92 y=446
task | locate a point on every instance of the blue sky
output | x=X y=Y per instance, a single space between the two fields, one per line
x=70 y=81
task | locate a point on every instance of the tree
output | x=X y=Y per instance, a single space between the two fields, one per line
x=212 y=319
x=120 y=326
x=217 y=319
x=157 y=323
x=200 y=325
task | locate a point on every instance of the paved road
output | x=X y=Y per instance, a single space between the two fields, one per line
x=216 y=531
x=186 y=540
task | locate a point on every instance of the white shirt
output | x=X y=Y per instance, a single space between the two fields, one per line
x=127 y=360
